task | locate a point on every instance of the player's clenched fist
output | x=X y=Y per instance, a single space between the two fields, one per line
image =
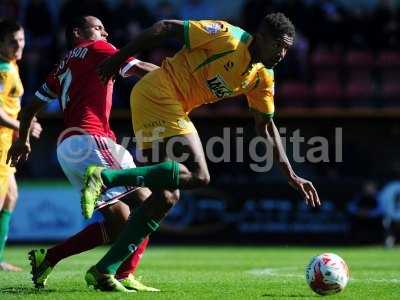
x=36 y=129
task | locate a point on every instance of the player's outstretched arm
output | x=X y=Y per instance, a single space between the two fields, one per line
x=149 y=38
x=266 y=128
x=21 y=149
x=137 y=68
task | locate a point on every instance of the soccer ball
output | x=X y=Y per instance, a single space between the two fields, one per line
x=327 y=274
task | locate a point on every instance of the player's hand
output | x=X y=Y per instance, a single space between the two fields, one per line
x=18 y=152
x=307 y=190
x=36 y=129
x=109 y=68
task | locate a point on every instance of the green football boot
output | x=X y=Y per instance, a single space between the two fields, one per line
x=41 y=268
x=131 y=283
x=104 y=282
x=92 y=188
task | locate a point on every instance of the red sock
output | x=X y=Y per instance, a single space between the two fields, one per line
x=90 y=237
x=131 y=263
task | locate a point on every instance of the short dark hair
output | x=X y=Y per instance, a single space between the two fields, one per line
x=8 y=26
x=77 y=22
x=278 y=24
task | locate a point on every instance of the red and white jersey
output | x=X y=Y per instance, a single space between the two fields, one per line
x=86 y=102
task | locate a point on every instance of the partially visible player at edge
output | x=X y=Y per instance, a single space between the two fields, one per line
x=86 y=104
x=12 y=42
x=219 y=60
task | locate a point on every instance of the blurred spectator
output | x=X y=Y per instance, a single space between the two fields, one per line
x=166 y=10
x=197 y=10
x=340 y=27
x=73 y=8
x=254 y=11
x=130 y=17
x=38 y=23
x=385 y=26
x=389 y=199
x=39 y=31
x=366 y=215
x=10 y=9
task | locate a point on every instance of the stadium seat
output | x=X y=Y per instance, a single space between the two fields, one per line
x=321 y=58
x=357 y=59
x=327 y=94
x=390 y=94
x=326 y=74
x=359 y=65
x=388 y=59
x=359 y=93
x=294 y=94
x=388 y=64
x=325 y=65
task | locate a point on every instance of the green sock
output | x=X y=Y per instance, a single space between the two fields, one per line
x=163 y=175
x=139 y=226
x=5 y=217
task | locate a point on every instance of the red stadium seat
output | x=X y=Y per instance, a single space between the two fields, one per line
x=326 y=93
x=321 y=58
x=359 y=65
x=326 y=74
x=388 y=64
x=359 y=93
x=388 y=59
x=357 y=59
x=293 y=94
x=325 y=65
x=390 y=94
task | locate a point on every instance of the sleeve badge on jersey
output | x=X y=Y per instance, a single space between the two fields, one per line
x=214 y=28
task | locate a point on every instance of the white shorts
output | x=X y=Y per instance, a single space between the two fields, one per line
x=77 y=152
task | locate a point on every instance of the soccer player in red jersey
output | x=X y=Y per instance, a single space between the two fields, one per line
x=87 y=139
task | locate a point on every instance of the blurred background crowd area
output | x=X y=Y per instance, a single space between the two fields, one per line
x=346 y=53
x=343 y=72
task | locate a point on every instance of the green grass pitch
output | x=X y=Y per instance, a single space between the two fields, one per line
x=216 y=273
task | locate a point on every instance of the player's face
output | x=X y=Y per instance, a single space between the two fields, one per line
x=272 y=49
x=93 y=30
x=12 y=46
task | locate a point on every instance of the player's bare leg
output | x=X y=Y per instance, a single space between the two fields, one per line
x=8 y=205
x=193 y=172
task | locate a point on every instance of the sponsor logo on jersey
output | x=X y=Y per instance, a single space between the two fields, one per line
x=157 y=123
x=218 y=87
x=213 y=28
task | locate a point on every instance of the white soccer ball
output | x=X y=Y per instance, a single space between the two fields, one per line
x=327 y=274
